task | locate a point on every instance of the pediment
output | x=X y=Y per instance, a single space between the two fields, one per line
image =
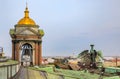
x=27 y=31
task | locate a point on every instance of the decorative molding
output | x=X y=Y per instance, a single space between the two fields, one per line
x=27 y=29
x=24 y=25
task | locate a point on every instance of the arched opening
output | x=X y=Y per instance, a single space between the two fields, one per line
x=26 y=55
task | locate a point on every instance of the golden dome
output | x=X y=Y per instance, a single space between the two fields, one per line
x=26 y=19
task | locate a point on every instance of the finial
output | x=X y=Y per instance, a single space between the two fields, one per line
x=26 y=10
x=26 y=5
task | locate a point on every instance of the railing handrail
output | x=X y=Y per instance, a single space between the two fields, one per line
x=5 y=65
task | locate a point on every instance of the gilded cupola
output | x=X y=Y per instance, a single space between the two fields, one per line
x=26 y=20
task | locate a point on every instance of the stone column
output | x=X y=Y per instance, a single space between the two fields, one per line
x=40 y=53
x=17 y=51
x=13 y=50
x=36 y=53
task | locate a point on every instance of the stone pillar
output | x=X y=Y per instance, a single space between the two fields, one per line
x=17 y=51
x=40 y=53
x=13 y=50
x=36 y=53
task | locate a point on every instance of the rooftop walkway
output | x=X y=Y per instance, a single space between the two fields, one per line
x=26 y=73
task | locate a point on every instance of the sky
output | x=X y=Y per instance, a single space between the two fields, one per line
x=70 y=26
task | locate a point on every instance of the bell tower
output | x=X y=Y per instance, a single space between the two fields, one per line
x=27 y=41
